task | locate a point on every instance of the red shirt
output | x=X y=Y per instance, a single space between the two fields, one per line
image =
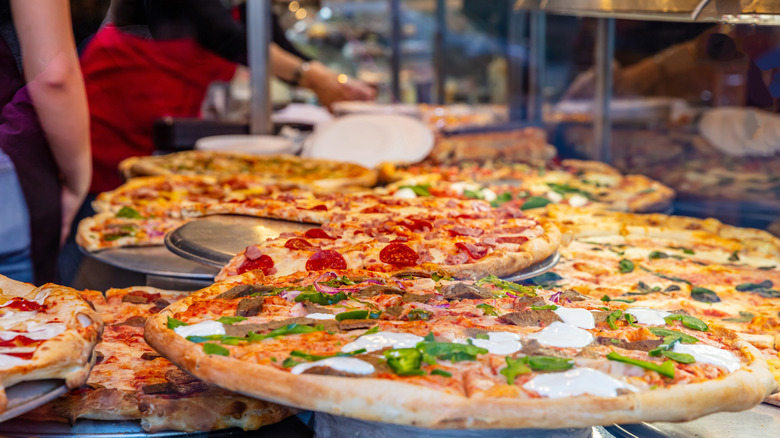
x=131 y=82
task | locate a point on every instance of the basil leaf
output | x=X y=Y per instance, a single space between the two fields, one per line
x=665 y=277
x=625 y=266
x=354 y=314
x=749 y=287
x=658 y=255
x=743 y=317
x=321 y=298
x=767 y=268
x=612 y=317
x=441 y=372
x=419 y=190
x=672 y=288
x=607 y=299
x=487 y=309
x=230 y=320
x=501 y=199
x=215 y=349
x=679 y=357
x=451 y=351
x=734 y=257
x=683 y=249
x=514 y=368
x=405 y=361
x=534 y=202
x=686 y=339
x=482 y=336
x=173 y=323
x=473 y=194
x=563 y=189
x=506 y=285
x=704 y=295
x=429 y=337
x=129 y=213
x=688 y=321
x=665 y=369
x=371 y=331
x=290 y=362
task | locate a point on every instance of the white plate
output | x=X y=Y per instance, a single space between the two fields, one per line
x=250 y=144
x=370 y=139
x=360 y=107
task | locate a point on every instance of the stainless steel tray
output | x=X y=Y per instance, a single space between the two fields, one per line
x=214 y=240
x=535 y=269
x=153 y=260
x=26 y=396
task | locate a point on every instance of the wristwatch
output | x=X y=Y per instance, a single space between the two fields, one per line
x=304 y=67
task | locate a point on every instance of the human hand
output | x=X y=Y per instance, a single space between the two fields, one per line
x=71 y=203
x=331 y=87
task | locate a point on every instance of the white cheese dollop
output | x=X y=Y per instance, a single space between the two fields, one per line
x=321 y=316
x=203 y=328
x=709 y=354
x=555 y=197
x=576 y=381
x=581 y=318
x=488 y=195
x=405 y=193
x=499 y=343
x=380 y=340
x=343 y=364
x=647 y=316
x=461 y=186
x=578 y=200
x=562 y=335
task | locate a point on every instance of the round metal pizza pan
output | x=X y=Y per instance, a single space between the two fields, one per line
x=535 y=269
x=153 y=260
x=761 y=421
x=26 y=396
x=214 y=240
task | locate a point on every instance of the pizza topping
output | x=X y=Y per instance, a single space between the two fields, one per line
x=499 y=343
x=8 y=361
x=326 y=259
x=562 y=335
x=512 y=289
x=525 y=364
x=466 y=231
x=11 y=319
x=530 y=318
x=21 y=304
x=398 y=254
x=243 y=290
x=263 y=262
x=647 y=316
x=299 y=244
x=317 y=233
x=577 y=381
x=349 y=365
x=459 y=291
x=380 y=340
x=324 y=299
x=405 y=193
x=581 y=318
x=250 y=306
x=665 y=369
x=203 y=328
x=625 y=266
x=416 y=224
x=321 y=316
x=688 y=321
x=474 y=251
x=643 y=345
x=709 y=354
x=704 y=295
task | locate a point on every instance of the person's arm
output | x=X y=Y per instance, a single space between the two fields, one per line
x=51 y=69
x=328 y=85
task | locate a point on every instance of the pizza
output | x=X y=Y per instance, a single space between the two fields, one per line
x=131 y=381
x=527 y=145
x=719 y=273
x=46 y=332
x=439 y=353
x=577 y=183
x=460 y=238
x=309 y=173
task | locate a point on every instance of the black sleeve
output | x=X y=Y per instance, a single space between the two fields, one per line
x=281 y=39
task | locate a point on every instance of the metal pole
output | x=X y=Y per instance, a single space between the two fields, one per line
x=395 y=46
x=515 y=56
x=259 y=35
x=439 y=44
x=604 y=54
x=536 y=65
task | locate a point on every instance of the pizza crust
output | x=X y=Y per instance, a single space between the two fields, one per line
x=395 y=402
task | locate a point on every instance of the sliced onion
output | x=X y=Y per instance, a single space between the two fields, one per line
x=290 y=295
x=329 y=289
x=512 y=295
x=400 y=285
x=374 y=281
x=556 y=297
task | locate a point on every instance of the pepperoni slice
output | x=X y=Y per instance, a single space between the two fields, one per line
x=398 y=254
x=317 y=233
x=466 y=231
x=416 y=224
x=301 y=244
x=474 y=251
x=374 y=209
x=326 y=259
x=511 y=239
x=264 y=263
x=22 y=304
x=321 y=207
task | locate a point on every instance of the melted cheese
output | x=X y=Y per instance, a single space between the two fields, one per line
x=562 y=335
x=321 y=316
x=499 y=343
x=344 y=364
x=405 y=193
x=576 y=381
x=710 y=354
x=203 y=328
x=7 y=362
x=647 y=316
x=11 y=319
x=581 y=318
x=380 y=340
